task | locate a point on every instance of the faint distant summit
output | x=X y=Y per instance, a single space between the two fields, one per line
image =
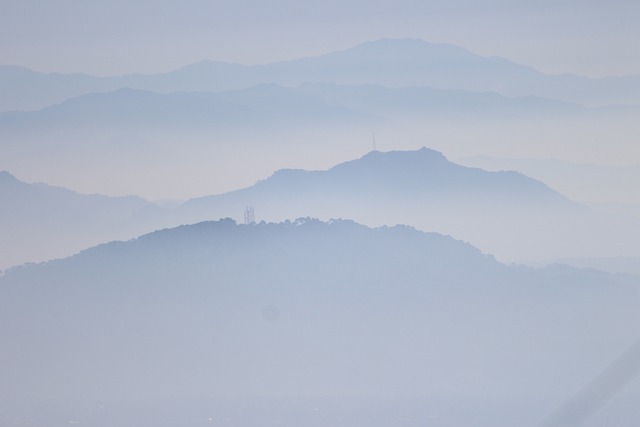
x=393 y=63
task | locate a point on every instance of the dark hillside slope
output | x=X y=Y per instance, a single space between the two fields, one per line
x=303 y=323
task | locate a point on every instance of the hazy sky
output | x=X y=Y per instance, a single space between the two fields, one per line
x=588 y=37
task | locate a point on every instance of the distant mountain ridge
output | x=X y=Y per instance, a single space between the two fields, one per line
x=496 y=211
x=586 y=182
x=39 y=222
x=411 y=172
x=42 y=222
x=409 y=176
x=387 y=62
x=258 y=106
x=267 y=105
x=505 y=213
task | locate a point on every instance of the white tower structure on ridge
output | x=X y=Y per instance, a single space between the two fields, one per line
x=249 y=215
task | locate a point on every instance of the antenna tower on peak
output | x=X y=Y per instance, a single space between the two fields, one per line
x=375 y=148
x=249 y=215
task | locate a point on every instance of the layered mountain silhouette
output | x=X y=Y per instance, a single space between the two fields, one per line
x=304 y=323
x=341 y=317
x=267 y=105
x=40 y=222
x=424 y=101
x=192 y=119
x=387 y=62
x=401 y=180
x=504 y=213
x=258 y=106
x=584 y=182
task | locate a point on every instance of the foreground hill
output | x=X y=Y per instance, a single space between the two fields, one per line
x=304 y=323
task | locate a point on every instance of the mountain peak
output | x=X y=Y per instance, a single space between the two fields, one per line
x=391 y=161
x=422 y=154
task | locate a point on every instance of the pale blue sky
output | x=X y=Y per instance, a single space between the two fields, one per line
x=588 y=37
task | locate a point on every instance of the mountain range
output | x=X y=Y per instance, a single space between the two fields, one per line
x=42 y=222
x=386 y=62
x=258 y=106
x=505 y=213
x=266 y=105
x=310 y=113
x=385 y=326
x=100 y=129
x=398 y=297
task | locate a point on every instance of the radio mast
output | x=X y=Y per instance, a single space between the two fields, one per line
x=249 y=215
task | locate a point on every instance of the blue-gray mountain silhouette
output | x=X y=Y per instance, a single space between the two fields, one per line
x=265 y=105
x=370 y=326
x=388 y=62
x=411 y=172
x=39 y=222
x=495 y=211
x=257 y=106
